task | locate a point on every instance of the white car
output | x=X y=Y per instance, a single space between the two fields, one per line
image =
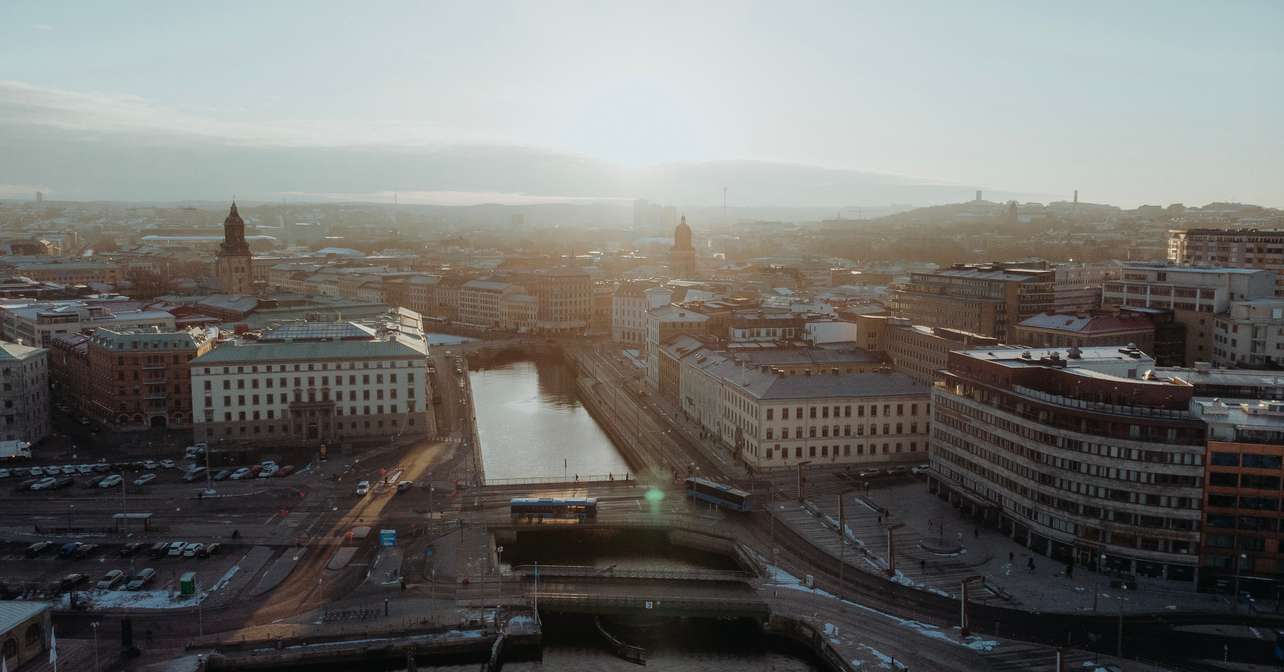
x=167 y=463
x=149 y=465
x=44 y=483
x=176 y=549
x=144 y=479
x=51 y=470
x=267 y=472
x=85 y=469
x=240 y=473
x=4 y=473
x=110 y=481
x=363 y=487
x=37 y=471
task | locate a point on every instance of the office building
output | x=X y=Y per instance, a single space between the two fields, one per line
x=1194 y=295
x=37 y=323
x=1085 y=330
x=1250 y=334
x=313 y=383
x=140 y=380
x=1078 y=455
x=982 y=299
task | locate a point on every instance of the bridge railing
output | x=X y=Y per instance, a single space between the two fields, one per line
x=581 y=571
x=666 y=603
x=584 y=479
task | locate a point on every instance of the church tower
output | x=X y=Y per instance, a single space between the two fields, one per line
x=682 y=255
x=233 y=267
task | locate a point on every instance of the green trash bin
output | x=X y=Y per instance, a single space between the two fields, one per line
x=187 y=584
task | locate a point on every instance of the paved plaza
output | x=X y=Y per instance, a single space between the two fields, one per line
x=1014 y=575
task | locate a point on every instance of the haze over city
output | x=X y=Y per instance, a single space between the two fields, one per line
x=838 y=104
x=724 y=336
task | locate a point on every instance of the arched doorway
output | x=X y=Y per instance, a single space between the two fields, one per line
x=159 y=422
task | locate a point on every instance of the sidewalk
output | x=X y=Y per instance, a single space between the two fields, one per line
x=1003 y=562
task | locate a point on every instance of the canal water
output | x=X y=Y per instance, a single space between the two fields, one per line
x=531 y=423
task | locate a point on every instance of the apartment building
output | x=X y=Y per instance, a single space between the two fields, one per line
x=140 y=380
x=24 y=393
x=1078 y=455
x=565 y=298
x=480 y=302
x=981 y=299
x=629 y=304
x=71 y=272
x=663 y=324
x=1250 y=334
x=1241 y=525
x=917 y=351
x=313 y=383
x=1194 y=295
x=1230 y=248
x=1085 y=330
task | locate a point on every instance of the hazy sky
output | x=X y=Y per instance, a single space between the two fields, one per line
x=1129 y=102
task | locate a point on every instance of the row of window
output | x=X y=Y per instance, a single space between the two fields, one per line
x=270 y=414
x=312 y=381
x=846 y=430
x=324 y=366
x=844 y=411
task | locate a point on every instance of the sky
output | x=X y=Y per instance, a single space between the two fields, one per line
x=1138 y=102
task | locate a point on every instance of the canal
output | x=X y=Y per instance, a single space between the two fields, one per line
x=532 y=424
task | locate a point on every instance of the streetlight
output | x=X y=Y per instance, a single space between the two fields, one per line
x=1235 y=598
x=69 y=508
x=1095 y=591
x=94 y=626
x=1119 y=643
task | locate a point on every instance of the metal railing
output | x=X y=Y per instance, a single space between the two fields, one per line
x=572 y=479
x=582 y=571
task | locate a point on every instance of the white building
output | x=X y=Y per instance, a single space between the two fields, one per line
x=24 y=393
x=629 y=306
x=1250 y=334
x=662 y=324
x=313 y=383
x=480 y=302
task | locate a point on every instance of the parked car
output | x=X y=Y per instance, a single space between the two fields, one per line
x=193 y=474
x=110 y=579
x=141 y=579
x=72 y=580
x=37 y=548
x=267 y=472
x=26 y=485
x=363 y=487
x=36 y=471
x=44 y=483
x=285 y=471
x=240 y=473
x=921 y=469
x=191 y=550
x=158 y=549
x=85 y=469
x=83 y=420
x=132 y=548
x=110 y=481
x=93 y=482
x=85 y=550
x=102 y=467
x=213 y=549
x=5 y=473
x=149 y=465
x=222 y=474
x=167 y=463
x=64 y=482
x=144 y=479
x=404 y=486
x=20 y=472
x=69 y=549
x=176 y=549
x=255 y=469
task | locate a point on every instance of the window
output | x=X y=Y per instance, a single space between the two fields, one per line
x=1260 y=461
x=1226 y=459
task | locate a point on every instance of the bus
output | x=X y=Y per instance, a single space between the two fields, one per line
x=576 y=508
x=718 y=494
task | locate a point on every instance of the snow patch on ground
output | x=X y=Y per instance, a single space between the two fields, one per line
x=137 y=599
x=786 y=580
x=222 y=582
x=885 y=661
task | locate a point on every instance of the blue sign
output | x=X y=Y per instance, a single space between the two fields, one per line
x=387 y=537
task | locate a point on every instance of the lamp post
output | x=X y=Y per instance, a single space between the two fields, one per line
x=1235 y=598
x=1095 y=591
x=69 y=508
x=94 y=626
x=1119 y=642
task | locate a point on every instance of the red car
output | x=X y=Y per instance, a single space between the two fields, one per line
x=284 y=471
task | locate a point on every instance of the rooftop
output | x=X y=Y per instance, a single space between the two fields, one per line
x=14 y=613
x=1086 y=324
x=765 y=385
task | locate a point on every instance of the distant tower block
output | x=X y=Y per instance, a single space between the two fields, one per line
x=978 y=194
x=1076 y=197
x=40 y=197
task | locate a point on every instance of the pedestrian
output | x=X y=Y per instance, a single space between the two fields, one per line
x=1030 y=564
x=1011 y=556
x=976 y=532
x=1069 y=570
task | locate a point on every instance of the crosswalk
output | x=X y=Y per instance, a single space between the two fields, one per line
x=1036 y=658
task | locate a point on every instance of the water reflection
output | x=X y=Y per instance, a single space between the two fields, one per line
x=531 y=423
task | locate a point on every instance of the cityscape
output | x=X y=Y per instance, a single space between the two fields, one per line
x=369 y=388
